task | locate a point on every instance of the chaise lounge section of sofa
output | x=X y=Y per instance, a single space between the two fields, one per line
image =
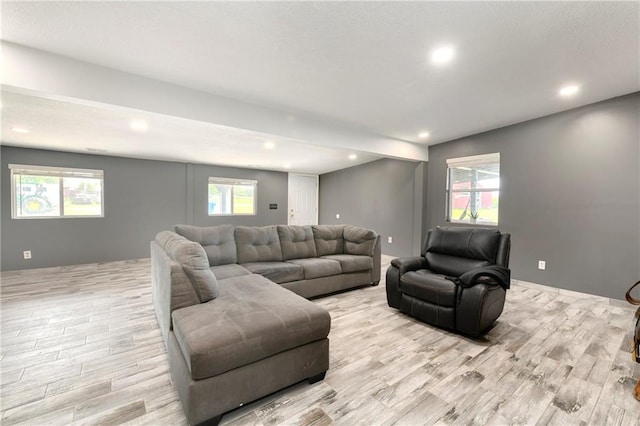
x=229 y=301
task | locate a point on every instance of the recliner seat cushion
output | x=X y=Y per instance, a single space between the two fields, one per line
x=297 y=242
x=218 y=241
x=278 y=272
x=429 y=287
x=251 y=319
x=258 y=244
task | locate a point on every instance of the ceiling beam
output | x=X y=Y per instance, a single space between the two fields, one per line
x=49 y=75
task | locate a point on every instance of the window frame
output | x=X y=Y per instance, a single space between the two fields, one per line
x=233 y=183
x=17 y=170
x=470 y=162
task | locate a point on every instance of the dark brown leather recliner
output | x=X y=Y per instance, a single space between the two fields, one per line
x=458 y=282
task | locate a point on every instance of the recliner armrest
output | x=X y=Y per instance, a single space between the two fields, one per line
x=407 y=264
x=478 y=307
x=492 y=274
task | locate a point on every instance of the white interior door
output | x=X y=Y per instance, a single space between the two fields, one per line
x=303 y=199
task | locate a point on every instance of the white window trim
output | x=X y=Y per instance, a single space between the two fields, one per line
x=55 y=171
x=61 y=172
x=469 y=161
x=473 y=160
x=233 y=182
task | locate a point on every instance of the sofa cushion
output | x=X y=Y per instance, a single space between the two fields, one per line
x=329 y=239
x=258 y=244
x=251 y=319
x=194 y=262
x=318 y=267
x=429 y=287
x=218 y=241
x=352 y=262
x=222 y=272
x=278 y=272
x=297 y=241
x=360 y=241
x=470 y=243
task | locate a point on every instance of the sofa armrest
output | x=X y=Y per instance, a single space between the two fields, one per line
x=377 y=262
x=171 y=287
x=478 y=307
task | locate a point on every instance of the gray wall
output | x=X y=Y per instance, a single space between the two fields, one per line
x=570 y=189
x=272 y=189
x=385 y=195
x=142 y=197
x=570 y=195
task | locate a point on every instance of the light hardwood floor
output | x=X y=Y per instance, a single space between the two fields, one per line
x=81 y=345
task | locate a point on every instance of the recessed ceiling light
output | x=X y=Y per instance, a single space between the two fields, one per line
x=352 y=157
x=287 y=165
x=443 y=55
x=569 y=90
x=20 y=130
x=269 y=145
x=423 y=135
x=139 y=125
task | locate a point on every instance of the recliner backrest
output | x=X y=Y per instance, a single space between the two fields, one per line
x=455 y=250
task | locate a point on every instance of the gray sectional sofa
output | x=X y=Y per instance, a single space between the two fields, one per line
x=231 y=306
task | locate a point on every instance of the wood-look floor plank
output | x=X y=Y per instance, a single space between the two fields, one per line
x=81 y=345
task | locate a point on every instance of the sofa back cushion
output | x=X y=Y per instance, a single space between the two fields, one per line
x=258 y=244
x=359 y=241
x=218 y=242
x=329 y=239
x=454 y=251
x=297 y=242
x=194 y=262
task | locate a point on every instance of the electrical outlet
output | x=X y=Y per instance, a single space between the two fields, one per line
x=542 y=265
x=390 y=240
x=26 y=254
x=337 y=215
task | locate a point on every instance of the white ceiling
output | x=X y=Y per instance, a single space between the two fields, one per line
x=105 y=130
x=362 y=64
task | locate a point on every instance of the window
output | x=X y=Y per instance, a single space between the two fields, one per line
x=232 y=196
x=473 y=189
x=53 y=192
